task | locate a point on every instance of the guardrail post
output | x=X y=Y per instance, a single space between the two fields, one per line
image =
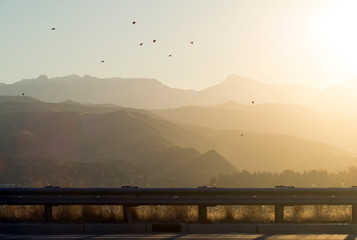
x=202 y=213
x=354 y=213
x=128 y=213
x=48 y=213
x=279 y=213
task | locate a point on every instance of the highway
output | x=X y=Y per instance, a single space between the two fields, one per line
x=187 y=236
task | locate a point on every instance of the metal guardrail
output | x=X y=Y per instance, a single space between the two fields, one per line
x=203 y=197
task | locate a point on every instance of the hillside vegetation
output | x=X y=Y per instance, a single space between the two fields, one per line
x=103 y=149
x=73 y=144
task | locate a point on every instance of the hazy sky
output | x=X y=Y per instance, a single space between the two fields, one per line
x=310 y=42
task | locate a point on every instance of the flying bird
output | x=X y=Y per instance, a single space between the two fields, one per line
x=154 y=41
x=141 y=44
x=191 y=42
x=134 y=22
x=252 y=102
x=170 y=55
x=53 y=29
x=102 y=61
x=241 y=134
x=23 y=94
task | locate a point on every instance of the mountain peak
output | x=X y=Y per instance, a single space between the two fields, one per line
x=42 y=77
x=74 y=76
x=246 y=90
x=71 y=102
x=234 y=78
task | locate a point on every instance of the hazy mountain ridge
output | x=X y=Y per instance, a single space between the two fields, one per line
x=134 y=92
x=152 y=94
x=146 y=93
x=338 y=99
x=245 y=90
x=13 y=106
x=21 y=99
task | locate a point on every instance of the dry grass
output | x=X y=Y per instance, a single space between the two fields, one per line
x=88 y=213
x=247 y=214
x=181 y=214
x=318 y=213
x=62 y=213
x=21 y=213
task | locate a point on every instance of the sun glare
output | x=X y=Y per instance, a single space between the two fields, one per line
x=335 y=32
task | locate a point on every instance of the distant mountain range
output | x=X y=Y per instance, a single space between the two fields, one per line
x=339 y=99
x=135 y=93
x=245 y=90
x=147 y=93
x=151 y=94
x=104 y=145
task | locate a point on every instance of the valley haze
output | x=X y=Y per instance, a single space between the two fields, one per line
x=116 y=131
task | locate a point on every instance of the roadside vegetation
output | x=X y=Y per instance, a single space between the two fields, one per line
x=178 y=214
x=309 y=179
x=218 y=214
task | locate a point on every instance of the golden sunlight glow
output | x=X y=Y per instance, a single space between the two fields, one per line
x=335 y=33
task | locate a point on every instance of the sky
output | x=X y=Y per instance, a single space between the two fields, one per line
x=309 y=42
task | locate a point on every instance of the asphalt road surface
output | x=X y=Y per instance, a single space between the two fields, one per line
x=187 y=236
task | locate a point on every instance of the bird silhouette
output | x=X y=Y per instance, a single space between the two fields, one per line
x=102 y=61
x=241 y=134
x=141 y=44
x=53 y=29
x=154 y=41
x=23 y=94
x=252 y=102
x=170 y=55
x=134 y=22
x=191 y=42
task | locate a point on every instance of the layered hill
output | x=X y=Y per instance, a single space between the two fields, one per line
x=103 y=149
x=288 y=119
x=25 y=103
x=275 y=152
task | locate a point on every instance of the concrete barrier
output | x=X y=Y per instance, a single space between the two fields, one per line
x=307 y=228
x=221 y=228
x=57 y=229
x=115 y=228
x=166 y=227
x=41 y=228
